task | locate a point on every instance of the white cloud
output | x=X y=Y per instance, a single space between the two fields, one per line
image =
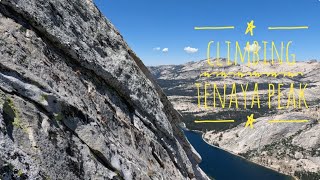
x=252 y=48
x=190 y=50
x=165 y=50
x=157 y=49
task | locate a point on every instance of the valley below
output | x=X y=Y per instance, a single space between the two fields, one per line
x=291 y=148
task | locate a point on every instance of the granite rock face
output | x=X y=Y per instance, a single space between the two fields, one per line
x=77 y=103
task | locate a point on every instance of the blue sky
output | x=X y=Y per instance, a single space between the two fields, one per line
x=147 y=24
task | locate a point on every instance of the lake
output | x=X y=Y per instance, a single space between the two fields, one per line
x=222 y=165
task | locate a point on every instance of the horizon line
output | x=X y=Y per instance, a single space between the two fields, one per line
x=194 y=61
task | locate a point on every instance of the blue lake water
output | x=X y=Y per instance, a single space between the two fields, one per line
x=222 y=165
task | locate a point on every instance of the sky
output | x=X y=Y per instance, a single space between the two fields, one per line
x=162 y=31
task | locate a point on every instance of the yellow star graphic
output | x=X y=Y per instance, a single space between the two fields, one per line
x=250 y=28
x=250 y=121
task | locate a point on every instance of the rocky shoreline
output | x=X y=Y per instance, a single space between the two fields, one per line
x=274 y=148
x=273 y=169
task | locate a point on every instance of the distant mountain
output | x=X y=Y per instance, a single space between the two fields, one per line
x=292 y=148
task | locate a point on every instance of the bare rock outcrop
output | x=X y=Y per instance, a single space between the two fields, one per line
x=77 y=103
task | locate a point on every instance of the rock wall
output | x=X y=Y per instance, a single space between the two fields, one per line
x=77 y=103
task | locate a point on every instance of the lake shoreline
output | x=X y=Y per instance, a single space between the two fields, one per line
x=202 y=136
